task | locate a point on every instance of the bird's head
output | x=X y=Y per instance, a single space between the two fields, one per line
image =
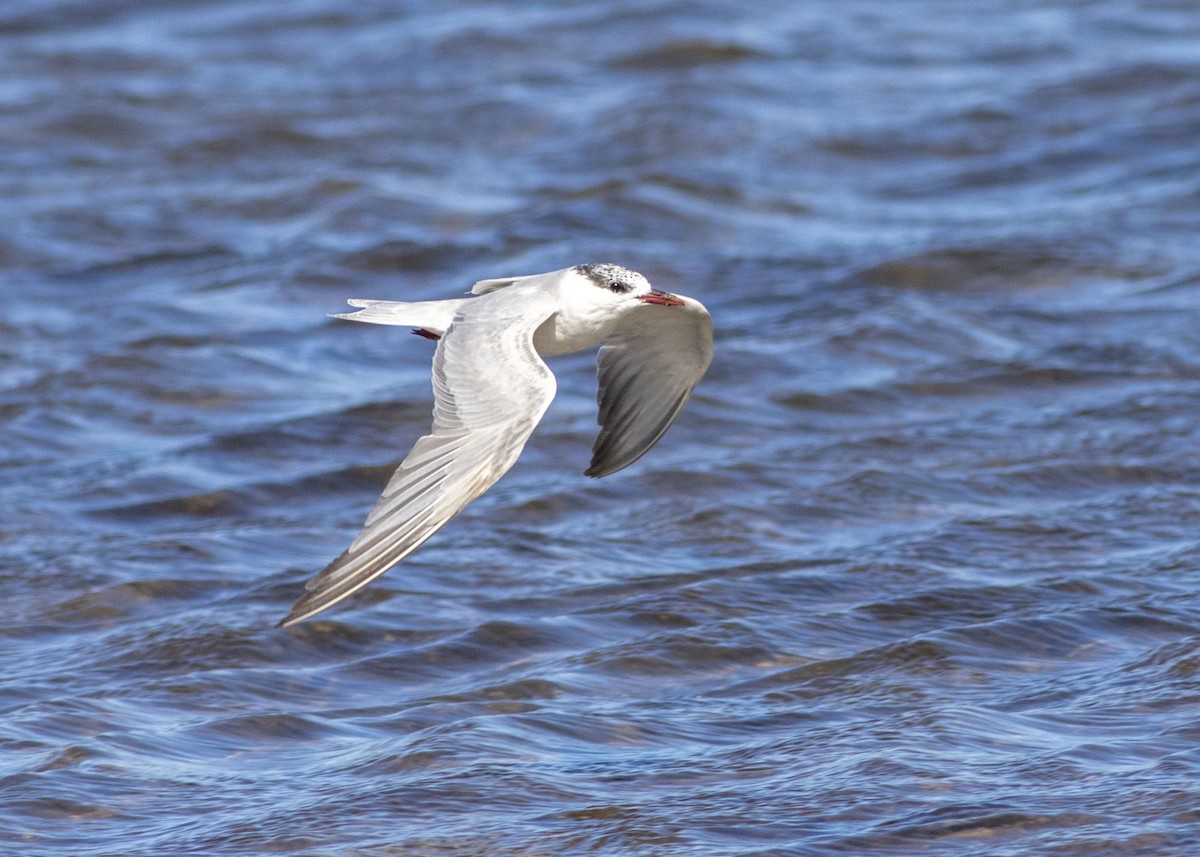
x=623 y=287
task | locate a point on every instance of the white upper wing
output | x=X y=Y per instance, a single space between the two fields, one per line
x=483 y=287
x=490 y=390
x=647 y=369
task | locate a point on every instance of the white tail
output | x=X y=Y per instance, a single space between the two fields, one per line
x=434 y=316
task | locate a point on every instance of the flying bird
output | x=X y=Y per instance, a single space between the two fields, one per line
x=491 y=387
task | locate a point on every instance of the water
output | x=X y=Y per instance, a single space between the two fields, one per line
x=915 y=572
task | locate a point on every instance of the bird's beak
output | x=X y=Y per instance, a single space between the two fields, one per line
x=661 y=298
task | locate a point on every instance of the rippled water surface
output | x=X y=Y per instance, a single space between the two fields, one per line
x=917 y=570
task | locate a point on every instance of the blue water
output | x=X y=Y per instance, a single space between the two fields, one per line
x=916 y=571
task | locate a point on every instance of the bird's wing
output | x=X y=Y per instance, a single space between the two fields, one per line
x=484 y=286
x=647 y=368
x=490 y=390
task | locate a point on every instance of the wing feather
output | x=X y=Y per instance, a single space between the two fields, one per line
x=647 y=369
x=490 y=391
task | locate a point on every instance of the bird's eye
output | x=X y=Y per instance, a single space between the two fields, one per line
x=617 y=288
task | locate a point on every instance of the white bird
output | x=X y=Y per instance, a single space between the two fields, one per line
x=491 y=387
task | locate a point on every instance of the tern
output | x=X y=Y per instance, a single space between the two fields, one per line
x=491 y=387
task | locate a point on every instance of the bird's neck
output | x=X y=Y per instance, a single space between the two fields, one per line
x=572 y=330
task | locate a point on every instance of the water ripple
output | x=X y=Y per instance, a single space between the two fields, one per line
x=915 y=571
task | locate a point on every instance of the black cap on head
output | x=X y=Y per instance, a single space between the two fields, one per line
x=612 y=277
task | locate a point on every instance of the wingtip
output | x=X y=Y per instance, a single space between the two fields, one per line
x=306 y=607
x=290 y=619
x=595 y=471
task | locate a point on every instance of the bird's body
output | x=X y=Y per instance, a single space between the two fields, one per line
x=491 y=388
